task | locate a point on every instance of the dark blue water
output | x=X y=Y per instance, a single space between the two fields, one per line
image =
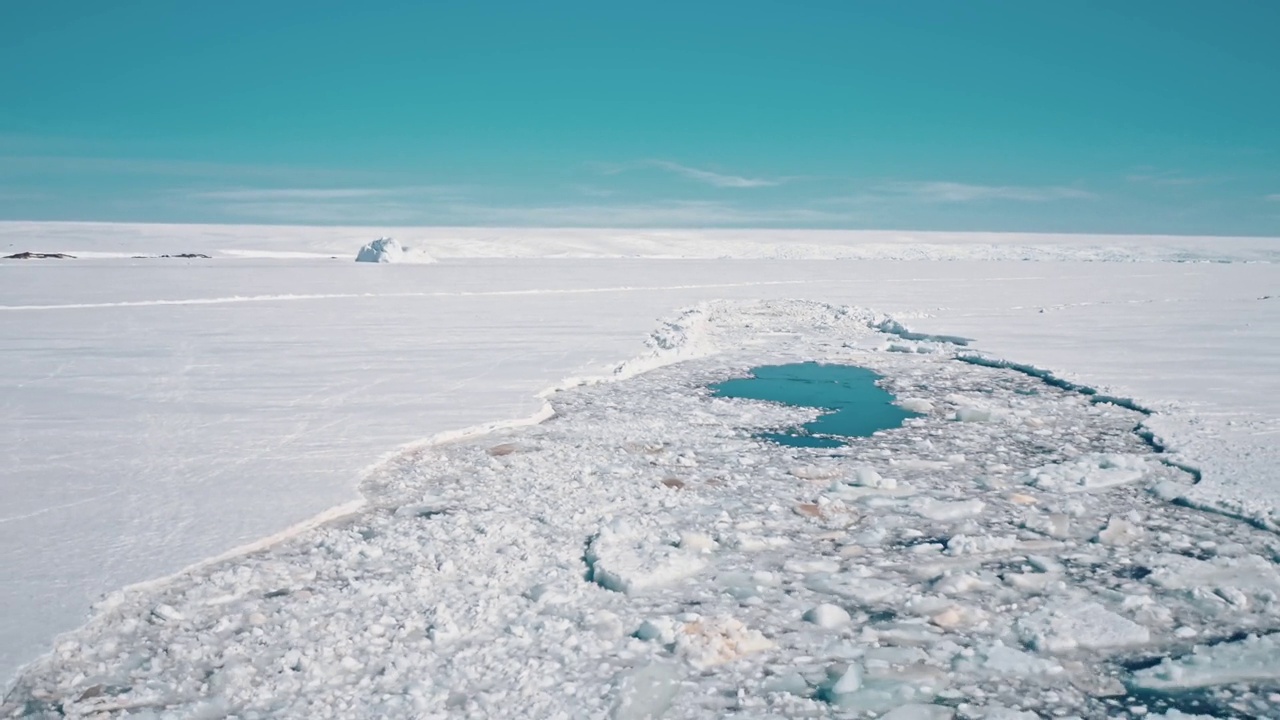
x=857 y=406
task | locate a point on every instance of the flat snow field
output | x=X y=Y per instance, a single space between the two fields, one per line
x=155 y=413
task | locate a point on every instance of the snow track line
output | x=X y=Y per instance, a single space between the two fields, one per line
x=340 y=296
x=53 y=508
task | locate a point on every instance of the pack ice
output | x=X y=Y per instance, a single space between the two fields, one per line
x=643 y=553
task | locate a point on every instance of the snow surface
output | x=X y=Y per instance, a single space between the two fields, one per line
x=157 y=413
x=123 y=240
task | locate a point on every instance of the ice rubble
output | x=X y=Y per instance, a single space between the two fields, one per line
x=642 y=554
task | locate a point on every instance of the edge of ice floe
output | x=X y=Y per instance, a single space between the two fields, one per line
x=681 y=338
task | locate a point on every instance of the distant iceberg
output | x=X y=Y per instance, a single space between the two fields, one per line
x=388 y=250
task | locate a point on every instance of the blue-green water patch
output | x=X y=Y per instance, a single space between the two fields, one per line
x=855 y=405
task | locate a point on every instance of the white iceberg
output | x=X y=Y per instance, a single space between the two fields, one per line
x=389 y=250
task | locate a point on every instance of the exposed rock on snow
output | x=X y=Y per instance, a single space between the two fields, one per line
x=27 y=255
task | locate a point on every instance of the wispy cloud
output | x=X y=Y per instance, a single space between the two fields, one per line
x=656 y=214
x=593 y=191
x=1274 y=197
x=713 y=178
x=954 y=192
x=304 y=194
x=342 y=205
x=706 y=177
x=8 y=196
x=317 y=212
x=663 y=213
x=1167 y=178
x=73 y=165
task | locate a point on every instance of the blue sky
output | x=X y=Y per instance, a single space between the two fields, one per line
x=1158 y=116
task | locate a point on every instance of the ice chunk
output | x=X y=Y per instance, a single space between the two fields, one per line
x=916 y=405
x=1089 y=472
x=1000 y=712
x=1250 y=660
x=957 y=616
x=1085 y=625
x=827 y=616
x=971 y=413
x=864 y=591
x=707 y=642
x=382 y=250
x=945 y=511
x=881 y=689
x=661 y=629
x=959 y=584
x=981 y=544
x=696 y=542
x=815 y=472
x=1119 y=532
x=1249 y=573
x=868 y=477
x=812 y=566
x=919 y=711
x=166 y=613
x=1000 y=659
x=627 y=560
x=646 y=691
x=388 y=250
x=848 y=681
x=791 y=682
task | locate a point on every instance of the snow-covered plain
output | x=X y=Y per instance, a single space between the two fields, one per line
x=158 y=412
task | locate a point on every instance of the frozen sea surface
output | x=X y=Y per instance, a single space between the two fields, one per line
x=156 y=414
x=1010 y=553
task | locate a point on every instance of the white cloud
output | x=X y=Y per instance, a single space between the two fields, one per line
x=1274 y=197
x=707 y=177
x=941 y=191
